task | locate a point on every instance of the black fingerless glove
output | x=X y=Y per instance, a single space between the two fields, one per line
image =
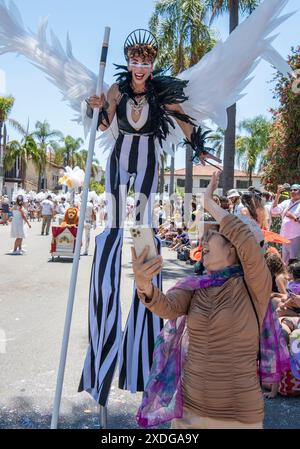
x=197 y=142
x=103 y=116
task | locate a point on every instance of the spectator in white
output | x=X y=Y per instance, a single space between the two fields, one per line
x=47 y=214
x=267 y=196
x=235 y=206
x=62 y=207
x=17 y=231
x=290 y=228
x=89 y=222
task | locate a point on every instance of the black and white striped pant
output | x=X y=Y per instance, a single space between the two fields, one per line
x=132 y=156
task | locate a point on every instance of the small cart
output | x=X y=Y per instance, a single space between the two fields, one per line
x=63 y=241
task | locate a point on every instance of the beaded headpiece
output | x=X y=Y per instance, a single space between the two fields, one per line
x=141 y=42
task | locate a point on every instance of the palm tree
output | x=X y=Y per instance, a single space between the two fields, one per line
x=67 y=153
x=44 y=135
x=24 y=151
x=218 y=7
x=183 y=40
x=216 y=138
x=251 y=148
x=81 y=160
x=172 y=179
x=6 y=105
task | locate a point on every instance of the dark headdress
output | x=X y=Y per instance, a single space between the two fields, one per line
x=141 y=42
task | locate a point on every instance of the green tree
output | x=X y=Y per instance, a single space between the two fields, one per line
x=97 y=187
x=183 y=39
x=44 y=136
x=251 y=148
x=24 y=151
x=216 y=140
x=67 y=154
x=283 y=156
x=233 y=7
x=81 y=160
x=6 y=105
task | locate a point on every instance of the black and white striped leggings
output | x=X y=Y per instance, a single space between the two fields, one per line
x=135 y=156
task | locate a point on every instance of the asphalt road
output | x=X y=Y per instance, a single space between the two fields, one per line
x=33 y=298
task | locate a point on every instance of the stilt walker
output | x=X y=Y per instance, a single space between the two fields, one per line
x=74 y=274
x=145 y=104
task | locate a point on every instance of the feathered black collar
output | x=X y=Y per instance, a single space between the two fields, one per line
x=162 y=90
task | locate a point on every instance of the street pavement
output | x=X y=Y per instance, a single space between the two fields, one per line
x=33 y=299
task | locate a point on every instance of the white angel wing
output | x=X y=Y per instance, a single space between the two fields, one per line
x=73 y=79
x=220 y=77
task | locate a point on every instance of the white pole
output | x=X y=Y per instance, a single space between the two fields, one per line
x=72 y=288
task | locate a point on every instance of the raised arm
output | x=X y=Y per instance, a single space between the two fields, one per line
x=24 y=217
x=168 y=306
x=250 y=254
x=188 y=130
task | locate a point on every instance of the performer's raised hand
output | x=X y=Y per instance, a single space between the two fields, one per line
x=143 y=271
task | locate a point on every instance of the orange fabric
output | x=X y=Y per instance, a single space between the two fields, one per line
x=273 y=237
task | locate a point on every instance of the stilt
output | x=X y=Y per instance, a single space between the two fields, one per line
x=103 y=417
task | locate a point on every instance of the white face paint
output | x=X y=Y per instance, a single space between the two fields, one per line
x=140 y=69
x=139 y=65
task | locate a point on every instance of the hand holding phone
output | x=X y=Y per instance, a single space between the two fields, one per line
x=143 y=237
x=144 y=272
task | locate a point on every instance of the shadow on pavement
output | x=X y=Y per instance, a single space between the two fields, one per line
x=22 y=413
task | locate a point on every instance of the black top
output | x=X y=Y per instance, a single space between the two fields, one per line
x=161 y=91
x=123 y=123
x=274 y=285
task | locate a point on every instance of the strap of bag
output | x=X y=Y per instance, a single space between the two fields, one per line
x=291 y=207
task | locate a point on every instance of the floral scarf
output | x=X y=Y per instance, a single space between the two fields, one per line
x=162 y=398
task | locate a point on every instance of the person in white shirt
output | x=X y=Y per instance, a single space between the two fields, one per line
x=61 y=210
x=89 y=222
x=47 y=214
x=235 y=205
x=268 y=207
x=289 y=210
x=63 y=206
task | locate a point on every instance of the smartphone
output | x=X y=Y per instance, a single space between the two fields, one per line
x=141 y=238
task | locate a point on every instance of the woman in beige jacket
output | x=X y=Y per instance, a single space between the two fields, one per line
x=220 y=383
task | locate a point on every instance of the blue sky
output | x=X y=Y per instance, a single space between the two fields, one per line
x=85 y=20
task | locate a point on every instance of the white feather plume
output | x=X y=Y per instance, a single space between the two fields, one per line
x=19 y=192
x=41 y=196
x=215 y=83
x=219 y=79
x=71 y=77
